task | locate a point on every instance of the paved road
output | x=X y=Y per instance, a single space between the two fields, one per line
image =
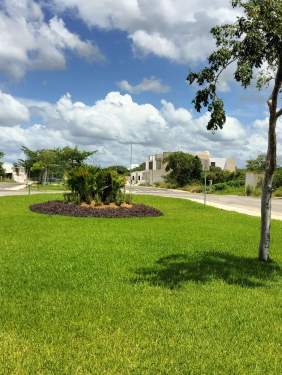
x=9 y=186
x=9 y=189
x=245 y=205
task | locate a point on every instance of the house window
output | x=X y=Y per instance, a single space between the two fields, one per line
x=213 y=164
x=132 y=177
x=150 y=165
x=158 y=164
x=139 y=178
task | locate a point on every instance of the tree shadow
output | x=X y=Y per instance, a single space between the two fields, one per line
x=175 y=270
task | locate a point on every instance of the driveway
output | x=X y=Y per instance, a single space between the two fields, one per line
x=245 y=205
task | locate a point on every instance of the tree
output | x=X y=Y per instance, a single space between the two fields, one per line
x=253 y=43
x=120 y=169
x=40 y=163
x=140 y=167
x=183 y=168
x=70 y=157
x=257 y=165
x=2 y=171
x=277 y=178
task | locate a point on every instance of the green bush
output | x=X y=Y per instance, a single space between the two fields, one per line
x=89 y=183
x=109 y=184
x=249 y=190
x=278 y=192
x=220 y=186
x=82 y=181
x=277 y=178
x=236 y=183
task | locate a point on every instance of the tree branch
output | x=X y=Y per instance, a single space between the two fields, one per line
x=279 y=113
x=223 y=69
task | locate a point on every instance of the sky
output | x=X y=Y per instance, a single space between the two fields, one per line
x=103 y=74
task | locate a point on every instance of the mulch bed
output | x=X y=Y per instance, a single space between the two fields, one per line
x=70 y=209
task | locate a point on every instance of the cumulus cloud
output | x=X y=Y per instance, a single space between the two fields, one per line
x=12 y=111
x=28 y=41
x=146 y=85
x=112 y=123
x=173 y=29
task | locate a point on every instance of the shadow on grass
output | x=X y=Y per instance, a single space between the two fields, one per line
x=175 y=270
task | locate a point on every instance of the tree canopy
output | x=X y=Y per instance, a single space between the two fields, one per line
x=183 y=168
x=120 y=169
x=253 y=44
x=41 y=163
x=257 y=165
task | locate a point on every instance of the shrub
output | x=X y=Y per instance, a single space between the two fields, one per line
x=89 y=183
x=278 y=193
x=235 y=183
x=82 y=181
x=109 y=185
x=249 y=190
x=277 y=178
x=220 y=186
x=71 y=198
x=194 y=188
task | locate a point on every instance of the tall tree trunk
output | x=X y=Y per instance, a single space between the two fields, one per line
x=267 y=192
x=263 y=252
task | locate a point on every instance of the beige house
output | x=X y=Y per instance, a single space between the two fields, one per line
x=155 y=167
x=15 y=174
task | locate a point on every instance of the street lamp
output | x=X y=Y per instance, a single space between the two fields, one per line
x=130 y=177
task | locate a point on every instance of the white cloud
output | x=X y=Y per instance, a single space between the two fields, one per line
x=174 y=29
x=146 y=85
x=112 y=123
x=27 y=41
x=12 y=111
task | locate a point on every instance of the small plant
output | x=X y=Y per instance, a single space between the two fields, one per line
x=278 y=193
x=220 y=186
x=249 y=190
x=128 y=198
x=71 y=198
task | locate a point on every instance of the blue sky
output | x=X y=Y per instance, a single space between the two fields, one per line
x=100 y=76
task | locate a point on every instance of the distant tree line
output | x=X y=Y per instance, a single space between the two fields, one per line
x=46 y=165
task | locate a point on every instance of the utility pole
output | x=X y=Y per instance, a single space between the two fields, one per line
x=205 y=189
x=130 y=179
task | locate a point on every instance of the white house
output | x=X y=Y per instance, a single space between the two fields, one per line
x=155 y=167
x=15 y=174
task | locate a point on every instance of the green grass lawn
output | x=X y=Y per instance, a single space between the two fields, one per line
x=178 y=294
x=48 y=187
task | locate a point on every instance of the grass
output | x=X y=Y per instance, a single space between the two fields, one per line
x=48 y=187
x=178 y=294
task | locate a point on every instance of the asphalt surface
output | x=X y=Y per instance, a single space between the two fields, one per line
x=245 y=205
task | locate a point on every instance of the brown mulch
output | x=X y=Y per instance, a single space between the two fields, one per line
x=71 y=209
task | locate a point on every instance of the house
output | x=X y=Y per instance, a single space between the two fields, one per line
x=155 y=167
x=16 y=174
x=138 y=177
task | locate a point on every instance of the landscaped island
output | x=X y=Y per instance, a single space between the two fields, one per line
x=95 y=192
x=111 y=210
